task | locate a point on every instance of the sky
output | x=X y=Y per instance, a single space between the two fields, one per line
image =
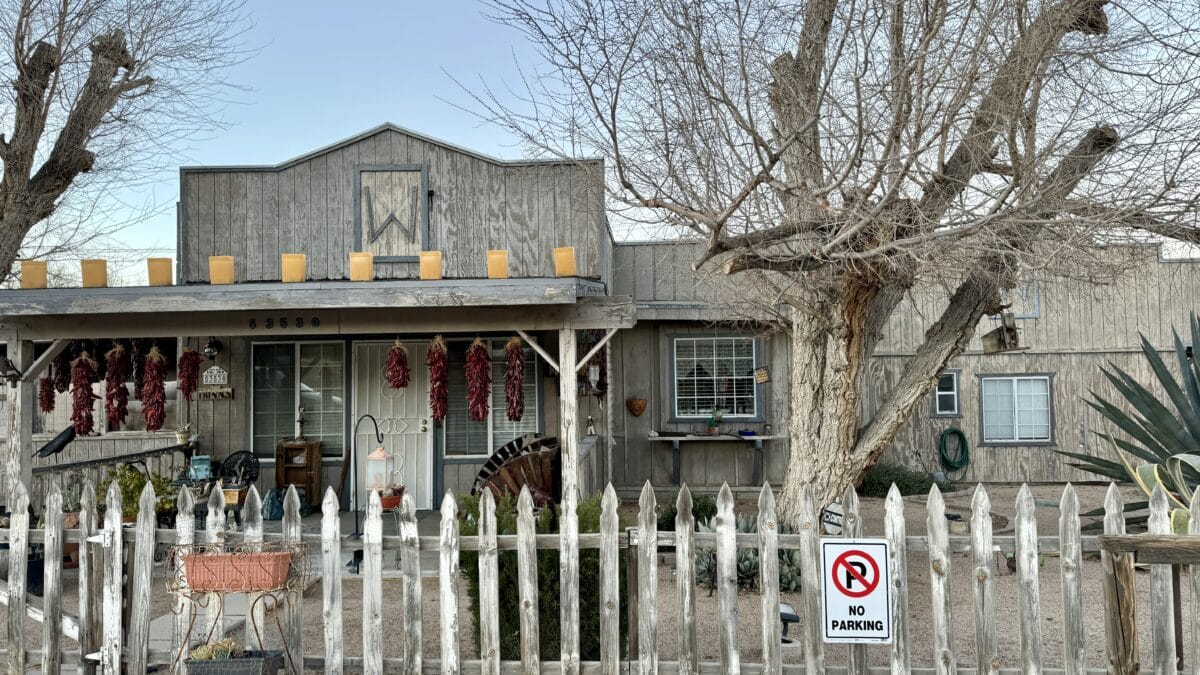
x=322 y=71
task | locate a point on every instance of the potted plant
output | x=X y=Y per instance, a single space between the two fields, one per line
x=130 y=481
x=714 y=421
x=182 y=434
x=225 y=658
x=391 y=497
x=218 y=570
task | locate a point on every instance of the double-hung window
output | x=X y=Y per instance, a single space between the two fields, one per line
x=945 y=396
x=289 y=376
x=1016 y=409
x=714 y=373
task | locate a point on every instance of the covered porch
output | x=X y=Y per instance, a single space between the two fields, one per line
x=262 y=329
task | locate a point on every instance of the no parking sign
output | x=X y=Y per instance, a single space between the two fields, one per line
x=856 y=598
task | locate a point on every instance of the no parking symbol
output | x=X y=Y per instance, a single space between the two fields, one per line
x=856 y=598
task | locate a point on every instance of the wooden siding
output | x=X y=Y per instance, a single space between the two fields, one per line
x=308 y=206
x=641 y=369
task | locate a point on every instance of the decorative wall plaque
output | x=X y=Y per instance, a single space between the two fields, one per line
x=215 y=376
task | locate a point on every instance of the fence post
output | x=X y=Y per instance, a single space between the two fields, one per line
x=18 y=569
x=1120 y=598
x=631 y=592
x=410 y=568
x=372 y=587
x=768 y=565
x=810 y=583
x=894 y=531
x=52 y=585
x=185 y=611
x=139 y=572
x=331 y=581
x=1071 y=560
x=610 y=585
x=527 y=581
x=111 y=647
x=685 y=579
x=1028 y=596
x=448 y=584
x=214 y=536
x=489 y=589
x=727 y=578
x=647 y=624
x=985 y=582
x=939 y=583
x=1162 y=598
x=293 y=609
x=252 y=523
x=91 y=580
x=568 y=575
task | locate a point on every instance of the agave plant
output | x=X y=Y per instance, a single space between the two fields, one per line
x=1157 y=444
x=747 y=559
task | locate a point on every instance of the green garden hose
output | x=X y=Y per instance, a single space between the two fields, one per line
x=961 y=457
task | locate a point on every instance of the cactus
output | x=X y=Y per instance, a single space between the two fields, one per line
x=747 y=559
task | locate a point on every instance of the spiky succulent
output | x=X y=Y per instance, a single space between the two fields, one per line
x=747 y=559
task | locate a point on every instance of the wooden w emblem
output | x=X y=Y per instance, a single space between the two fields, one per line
x=409 y=229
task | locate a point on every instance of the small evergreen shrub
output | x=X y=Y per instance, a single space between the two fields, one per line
x=879 y=480
x=548 y=581
x=703 y=510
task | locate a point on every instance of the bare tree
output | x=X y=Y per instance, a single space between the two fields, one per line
x=100 y=90
x=847 y=152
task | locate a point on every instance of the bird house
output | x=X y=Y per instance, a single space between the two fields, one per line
x=1004 y=338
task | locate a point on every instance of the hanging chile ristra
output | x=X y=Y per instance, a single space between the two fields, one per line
x=439 y=378
x=139 y=369
x=46 y=394
x=154 y=398
x=189 y=372
x=514 y=379
x=479 y=380
x=62 y=370
x=83 y=371
x=398 y=371
x=116 y=406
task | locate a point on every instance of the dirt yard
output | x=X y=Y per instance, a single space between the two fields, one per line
x=749 y=633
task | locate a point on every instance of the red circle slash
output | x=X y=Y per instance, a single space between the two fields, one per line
x=844 y=562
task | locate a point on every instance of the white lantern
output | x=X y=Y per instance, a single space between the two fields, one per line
x=380 y=467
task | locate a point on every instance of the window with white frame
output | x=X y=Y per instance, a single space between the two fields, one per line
x=1016 y=409
x=464 y=437
x=945 y=396
x=714 y=373
x=291 y=375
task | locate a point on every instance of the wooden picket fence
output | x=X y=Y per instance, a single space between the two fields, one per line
x=105 y=644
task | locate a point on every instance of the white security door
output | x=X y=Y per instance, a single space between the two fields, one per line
x=403 y=416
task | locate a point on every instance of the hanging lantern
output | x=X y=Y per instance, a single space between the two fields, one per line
x=380 y=467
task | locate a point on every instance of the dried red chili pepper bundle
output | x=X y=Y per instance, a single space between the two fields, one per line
x=116 y=405
x=154 y=397
x=83 y=399
x=398 y=372
x=62 y=370
x=189 y=372
x=479 y=380
x=139 y=369
x=514 y=379
x=439 y=378
x=46 y=394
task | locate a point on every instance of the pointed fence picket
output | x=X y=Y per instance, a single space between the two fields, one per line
x=124 y=648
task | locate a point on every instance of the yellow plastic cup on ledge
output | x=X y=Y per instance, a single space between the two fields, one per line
x=564 y=261
x=95 y=273
x=497 y=264
x=295 y=267
x=431 y=265
x=362 y=267
x=220 y=269
x=33 y=274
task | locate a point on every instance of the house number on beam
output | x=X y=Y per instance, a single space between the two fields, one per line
x=271 y=322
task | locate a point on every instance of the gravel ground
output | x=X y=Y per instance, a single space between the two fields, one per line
x=749 y=606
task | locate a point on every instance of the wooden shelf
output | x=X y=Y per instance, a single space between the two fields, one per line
x=305 y=474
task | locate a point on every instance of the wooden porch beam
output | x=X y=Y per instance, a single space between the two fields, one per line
x=538 y=350
x=18 y=466
x=599 y=345
x=39 y=366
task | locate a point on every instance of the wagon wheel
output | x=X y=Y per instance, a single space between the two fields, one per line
x=538 y=471
x=514 y=448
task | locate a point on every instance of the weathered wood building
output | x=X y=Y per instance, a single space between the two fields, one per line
x=308 y=357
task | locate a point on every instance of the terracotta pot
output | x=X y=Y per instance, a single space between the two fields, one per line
x=219 y=571
x=392 y=502
x=636 y=406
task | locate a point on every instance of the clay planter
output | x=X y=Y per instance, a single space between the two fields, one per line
x=636 y=406
x=392 y=502
x=238 y=572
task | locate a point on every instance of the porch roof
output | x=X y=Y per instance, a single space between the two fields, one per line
x=324 y=307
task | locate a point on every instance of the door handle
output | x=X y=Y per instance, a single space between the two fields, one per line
x=424 y=426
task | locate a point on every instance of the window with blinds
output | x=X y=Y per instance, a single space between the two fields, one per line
x=291 y=375
x=1016 y=409
x=715 y=373
x=461 y=436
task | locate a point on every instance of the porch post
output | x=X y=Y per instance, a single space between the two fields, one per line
x=568 y=402
x=19 y=463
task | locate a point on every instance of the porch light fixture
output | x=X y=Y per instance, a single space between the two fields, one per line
x=379 y=470
x=10 y=371
x=212 y=348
